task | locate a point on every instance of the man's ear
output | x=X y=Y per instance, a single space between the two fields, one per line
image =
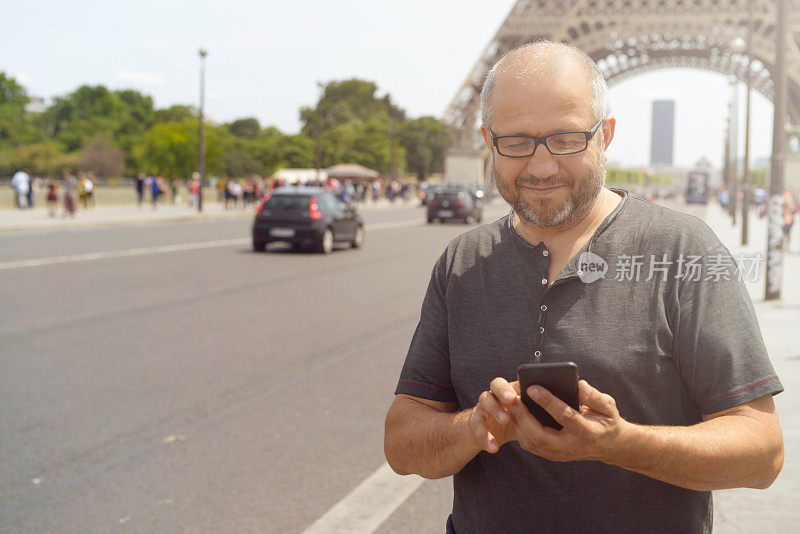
x=487 y=137
x=609 y=126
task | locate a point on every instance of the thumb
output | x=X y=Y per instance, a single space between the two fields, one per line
x=595 y=400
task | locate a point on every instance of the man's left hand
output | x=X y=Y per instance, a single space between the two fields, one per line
x=591 y=433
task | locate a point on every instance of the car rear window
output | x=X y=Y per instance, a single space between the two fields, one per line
x=455 y=195
x=288 y=202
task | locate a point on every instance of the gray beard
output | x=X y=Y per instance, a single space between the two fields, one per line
x=571 y=211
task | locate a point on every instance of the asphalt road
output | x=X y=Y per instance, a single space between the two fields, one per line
x=204 y=389
x=196 y=386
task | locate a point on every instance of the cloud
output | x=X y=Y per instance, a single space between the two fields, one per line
x=139 y=77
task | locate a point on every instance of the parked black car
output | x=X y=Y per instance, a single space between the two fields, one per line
x=456 y=204
x=306 y=217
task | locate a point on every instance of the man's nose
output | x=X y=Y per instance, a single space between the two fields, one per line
x=542 y=163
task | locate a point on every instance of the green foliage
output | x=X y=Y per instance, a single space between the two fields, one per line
x=425 y=140
x=171 y=149
x=246 y=128
x=176 y=113
x=15 y=126
x=120 y=132
x=354 y=125
x=46 y=158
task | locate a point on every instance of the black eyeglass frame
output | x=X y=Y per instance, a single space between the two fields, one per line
x=542 y=140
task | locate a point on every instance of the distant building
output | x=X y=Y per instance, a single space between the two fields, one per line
x=36 y=104
x=663 y=133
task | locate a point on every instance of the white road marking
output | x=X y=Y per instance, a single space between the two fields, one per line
x=54 y=260
x=121 y=253
x=74 y=258
x=369 y=504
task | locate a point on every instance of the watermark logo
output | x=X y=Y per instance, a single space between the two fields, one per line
x=591 y=267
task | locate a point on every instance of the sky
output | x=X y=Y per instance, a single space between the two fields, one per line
x=266 y=57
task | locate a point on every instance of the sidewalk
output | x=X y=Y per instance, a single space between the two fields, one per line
x=774 y=509
x=129 y=214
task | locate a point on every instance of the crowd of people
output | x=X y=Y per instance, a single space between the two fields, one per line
x=71 y=191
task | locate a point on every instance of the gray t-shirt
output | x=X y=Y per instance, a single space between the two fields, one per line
x=669 y=332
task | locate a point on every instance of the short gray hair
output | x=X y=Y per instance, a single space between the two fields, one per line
x=601 y=105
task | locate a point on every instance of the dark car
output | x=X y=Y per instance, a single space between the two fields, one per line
x=306 y=217
x=427 y=193
x=454 y=205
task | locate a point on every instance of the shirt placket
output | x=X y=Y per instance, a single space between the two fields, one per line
x=539 y=347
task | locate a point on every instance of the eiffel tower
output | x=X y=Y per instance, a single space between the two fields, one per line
x=629 y=37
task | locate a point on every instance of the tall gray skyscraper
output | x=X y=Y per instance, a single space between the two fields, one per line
x=663 y=136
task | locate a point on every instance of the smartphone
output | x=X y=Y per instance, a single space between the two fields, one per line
x=560 y=379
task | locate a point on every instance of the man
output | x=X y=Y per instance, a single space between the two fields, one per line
x=21 y=183
x=676 y=396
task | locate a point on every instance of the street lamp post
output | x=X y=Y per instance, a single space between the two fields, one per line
x=775 y=211
x=746 y=185
x=201 y=130
x=318 y=133
x=733 y=138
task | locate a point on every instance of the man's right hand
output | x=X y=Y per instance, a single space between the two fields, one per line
x=491 y=421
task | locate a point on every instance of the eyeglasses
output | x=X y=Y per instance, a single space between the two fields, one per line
x=559 y=144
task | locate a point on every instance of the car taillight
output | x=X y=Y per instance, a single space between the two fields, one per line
x=263 y=202
x=460 y=204
x=313 y=209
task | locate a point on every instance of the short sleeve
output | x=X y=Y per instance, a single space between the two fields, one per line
x=426 y=371
x=717 y=345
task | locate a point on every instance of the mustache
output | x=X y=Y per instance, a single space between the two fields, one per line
x=552 y=181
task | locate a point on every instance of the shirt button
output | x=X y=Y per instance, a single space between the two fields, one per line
x=544 y=307
x=538 y=353
x=541 y=330
x=544 y=281
x=545 y=253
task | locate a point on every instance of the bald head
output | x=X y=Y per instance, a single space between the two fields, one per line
x=541 y=63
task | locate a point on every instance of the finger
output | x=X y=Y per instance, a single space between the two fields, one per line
x=564 y=414
x=493 y=408
x=595 y=400
x=503 y=391
x=480 y=431
x=530 y=432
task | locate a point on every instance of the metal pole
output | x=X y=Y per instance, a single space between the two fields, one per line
x=775 y=232
x=202 y=132
x=734 y=140
x=746 y=186
x=318 y=133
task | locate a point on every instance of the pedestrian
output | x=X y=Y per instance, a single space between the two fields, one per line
x=156 y=189
x=139 y=184
x=52 y=196
x=91 y=180
x=82 y=188
x=194 y=190
x=21 y=184
x=789 y=209
x=70 y=194
x=676 y=394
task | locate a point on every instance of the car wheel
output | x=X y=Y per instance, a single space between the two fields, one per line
x=259 y=247
x=358 y=239
x=430 y=220
x=326 y=243
x=469 y=220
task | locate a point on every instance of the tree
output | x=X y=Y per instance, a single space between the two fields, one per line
x=425 y=140
x=170 y=148
x=103 y=158
x=348 y=115
x=176 y=113
x=44 y=158
x=246 y=128
x=15 y=127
